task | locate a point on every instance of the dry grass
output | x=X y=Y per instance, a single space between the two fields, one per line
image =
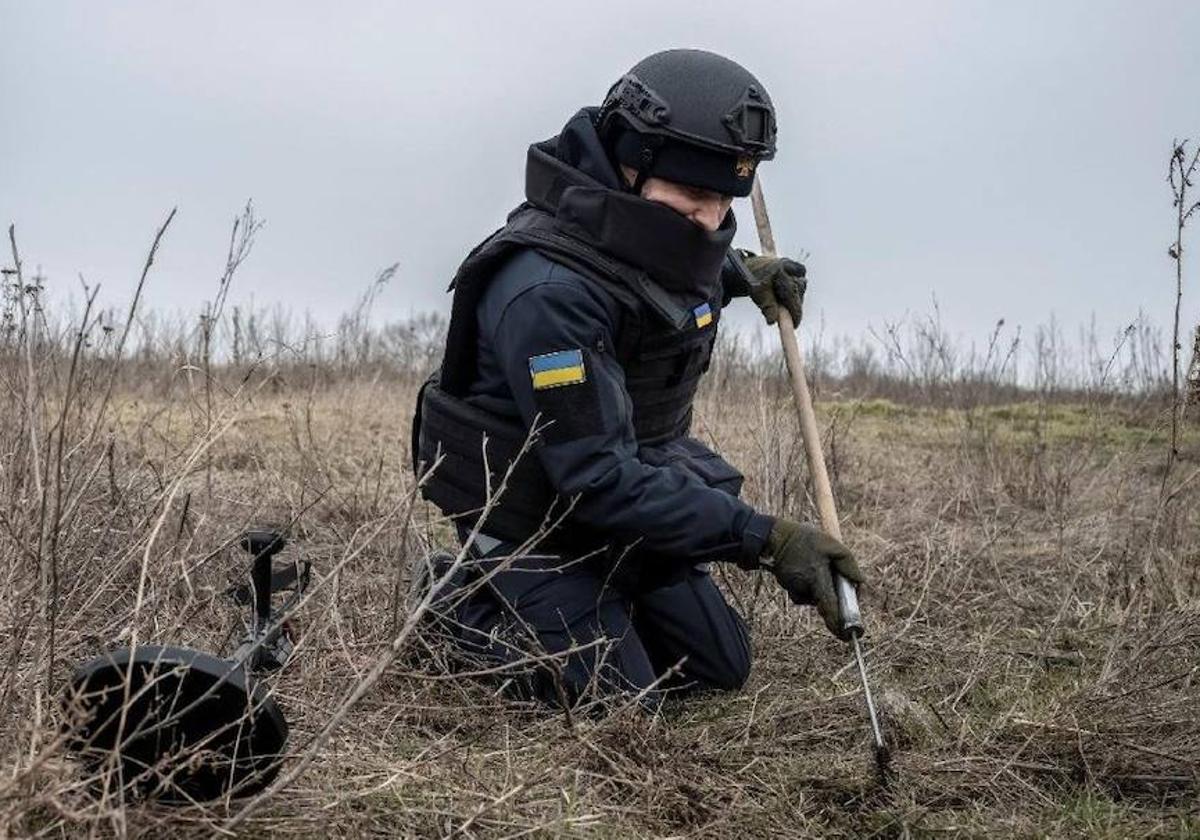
x=1035 y=636
x=1034 y=611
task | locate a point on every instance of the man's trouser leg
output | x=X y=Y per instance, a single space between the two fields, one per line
x=537 y=605
x=691 y=621
x=620 y=641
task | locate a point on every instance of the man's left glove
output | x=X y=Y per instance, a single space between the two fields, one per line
x=804 y=559
x=778 y=281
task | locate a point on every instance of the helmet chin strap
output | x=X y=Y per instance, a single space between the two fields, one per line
x=645 y=165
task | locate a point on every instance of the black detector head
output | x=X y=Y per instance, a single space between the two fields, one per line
x=193 y=727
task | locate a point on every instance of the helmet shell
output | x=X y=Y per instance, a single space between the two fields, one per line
x=691 y=110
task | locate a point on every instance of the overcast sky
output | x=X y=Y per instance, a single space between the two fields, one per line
x=1008 y=158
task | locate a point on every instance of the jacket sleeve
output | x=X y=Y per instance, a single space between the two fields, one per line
x=735 y=277
x=588 y=446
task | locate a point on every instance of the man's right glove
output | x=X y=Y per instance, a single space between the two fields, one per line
x=804 y=559
x=778 y=281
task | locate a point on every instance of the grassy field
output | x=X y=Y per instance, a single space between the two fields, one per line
x=1033 y=612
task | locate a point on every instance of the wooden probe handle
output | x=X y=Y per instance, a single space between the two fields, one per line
x=810 y=433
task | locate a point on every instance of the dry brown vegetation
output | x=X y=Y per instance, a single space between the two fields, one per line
x=1034 y=623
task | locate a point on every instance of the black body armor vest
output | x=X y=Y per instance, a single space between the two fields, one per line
x=659 y=346
x=572 y=221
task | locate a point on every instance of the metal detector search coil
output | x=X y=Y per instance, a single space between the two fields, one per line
x=180 y=725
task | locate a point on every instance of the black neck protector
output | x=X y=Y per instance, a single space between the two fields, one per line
x=677 y=254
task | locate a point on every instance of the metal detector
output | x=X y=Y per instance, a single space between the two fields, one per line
x=180 y=725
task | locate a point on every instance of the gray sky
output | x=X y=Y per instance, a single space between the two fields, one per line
x=1007 y=157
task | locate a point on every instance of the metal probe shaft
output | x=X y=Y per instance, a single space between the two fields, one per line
x=876 y=733
x=852 y=623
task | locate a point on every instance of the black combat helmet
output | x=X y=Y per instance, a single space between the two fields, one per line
x=690 y=116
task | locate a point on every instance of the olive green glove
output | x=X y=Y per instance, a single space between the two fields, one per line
x=803 y=559
x=778 y=281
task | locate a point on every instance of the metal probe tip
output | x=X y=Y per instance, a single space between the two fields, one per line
x=883 y=756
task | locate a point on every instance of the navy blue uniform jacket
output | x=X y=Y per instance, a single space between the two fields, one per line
x=534 y=306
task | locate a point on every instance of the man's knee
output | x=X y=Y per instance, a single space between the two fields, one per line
x=692 y=622
x=730 y=670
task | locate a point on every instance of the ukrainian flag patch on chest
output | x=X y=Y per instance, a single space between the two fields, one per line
x=552 y=370
x=703 y=314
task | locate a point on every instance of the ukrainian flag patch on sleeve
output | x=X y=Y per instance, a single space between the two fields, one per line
x=703 y=314
x=553 y=370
